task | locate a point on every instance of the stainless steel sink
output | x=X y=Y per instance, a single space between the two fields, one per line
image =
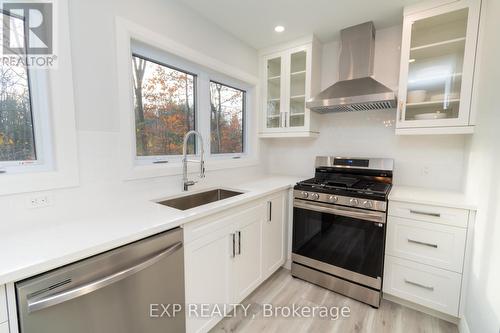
x=199 y=199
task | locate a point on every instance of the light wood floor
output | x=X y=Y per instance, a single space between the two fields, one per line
x=282 y=289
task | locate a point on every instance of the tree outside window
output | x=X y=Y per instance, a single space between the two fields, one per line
x=164 y=108
x=227 y=106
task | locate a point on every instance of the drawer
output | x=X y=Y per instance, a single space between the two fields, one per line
x=3 y=305
x=4 y=328
x=428 y=286
x=433 y=244
x=436 y=214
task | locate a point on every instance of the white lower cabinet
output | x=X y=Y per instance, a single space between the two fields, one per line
x=225 y=257
x=3 y=308
x=433 y=244
x=425 y=255
x=435 y=288
x=247 y=267
x=4 y=327
x=207 y=277
x=273 y=229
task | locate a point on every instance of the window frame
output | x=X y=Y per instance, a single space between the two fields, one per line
x=203 y=77
x=128 y=33
x=243 y=122
x=55 y=87
x=37 y=82
x=160 y=159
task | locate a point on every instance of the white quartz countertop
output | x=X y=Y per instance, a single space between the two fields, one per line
x=32 y=247
x=431 y=197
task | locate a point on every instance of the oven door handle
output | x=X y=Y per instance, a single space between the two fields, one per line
x=377 y=217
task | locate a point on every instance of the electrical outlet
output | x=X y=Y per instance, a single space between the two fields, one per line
x=39 y=201
x=426 y=171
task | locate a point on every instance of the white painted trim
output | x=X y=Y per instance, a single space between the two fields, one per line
x=435 y=130
x=418 y=307
x=63 y=126
x=297 y=134
x=287 y=45
x=463 y=326
x=126 y=31
x=481 y=48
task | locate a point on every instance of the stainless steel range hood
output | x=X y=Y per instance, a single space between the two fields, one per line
x=356 y=89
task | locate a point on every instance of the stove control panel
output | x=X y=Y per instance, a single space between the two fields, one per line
x=342 y=200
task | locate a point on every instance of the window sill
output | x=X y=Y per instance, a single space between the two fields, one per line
x=175 y=168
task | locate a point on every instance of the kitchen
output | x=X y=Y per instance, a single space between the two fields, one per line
x=112 y=216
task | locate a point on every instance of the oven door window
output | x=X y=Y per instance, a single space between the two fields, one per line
x=345 y=242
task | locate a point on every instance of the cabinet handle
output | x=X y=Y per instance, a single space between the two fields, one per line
x=417 y=212
x=419 y=285
x=239 y=242
x=422 y=243
x=269 y=211
x=234 y=245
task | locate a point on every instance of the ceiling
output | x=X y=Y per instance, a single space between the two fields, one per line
x=253 y=21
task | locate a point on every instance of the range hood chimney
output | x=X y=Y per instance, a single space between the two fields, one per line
x=356 y=89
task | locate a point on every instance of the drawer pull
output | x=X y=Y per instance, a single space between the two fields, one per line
x=422 y=243
x=419 y=285
x=424 y=213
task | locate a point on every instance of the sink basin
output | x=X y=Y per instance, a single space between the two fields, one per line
x=199 y=199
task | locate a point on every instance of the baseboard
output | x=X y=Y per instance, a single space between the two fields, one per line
x=423 y=309
x=463 y=327
x=288 y=264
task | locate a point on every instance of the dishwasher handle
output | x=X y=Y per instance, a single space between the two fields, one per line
x=36 y=303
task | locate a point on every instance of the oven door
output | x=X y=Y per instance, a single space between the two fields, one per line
x=342 y=241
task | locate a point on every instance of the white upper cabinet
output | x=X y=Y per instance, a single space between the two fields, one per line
x=437 y=67
x=290 y=76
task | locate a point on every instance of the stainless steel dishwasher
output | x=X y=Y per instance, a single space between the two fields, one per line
x=124 y=290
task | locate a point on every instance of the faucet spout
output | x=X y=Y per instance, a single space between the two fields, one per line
x=185 y=181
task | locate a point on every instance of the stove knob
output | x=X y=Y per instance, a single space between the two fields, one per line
x=354 y=202
x=368 y=204
x=315 y=196
x=333 y=198
x=305 y=194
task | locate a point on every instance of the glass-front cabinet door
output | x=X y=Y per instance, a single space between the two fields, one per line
x=273 y=110
x=437 y=67
x=297 y=101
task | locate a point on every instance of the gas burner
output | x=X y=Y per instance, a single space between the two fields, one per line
x=370 y=182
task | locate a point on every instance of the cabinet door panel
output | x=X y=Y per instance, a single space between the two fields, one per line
x=273 y=253
x=208 y=276
x=274 y=92
x=3 y=305
x=437 y=66
x=247 y=262
x=4 y=328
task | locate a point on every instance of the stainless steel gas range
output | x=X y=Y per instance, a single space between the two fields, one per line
x=339 y=225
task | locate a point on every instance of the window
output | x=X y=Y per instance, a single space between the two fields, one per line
x=172 y=96
x=227 y=107
x=164 y=103
x=23 y=115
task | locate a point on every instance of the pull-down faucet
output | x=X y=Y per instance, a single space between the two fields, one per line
x=185 y=181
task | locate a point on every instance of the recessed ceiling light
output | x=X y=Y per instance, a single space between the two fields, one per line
x=279 y=28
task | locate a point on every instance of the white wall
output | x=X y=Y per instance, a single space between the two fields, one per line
x=92 y=31
x=482 y=309
x=428 y=161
